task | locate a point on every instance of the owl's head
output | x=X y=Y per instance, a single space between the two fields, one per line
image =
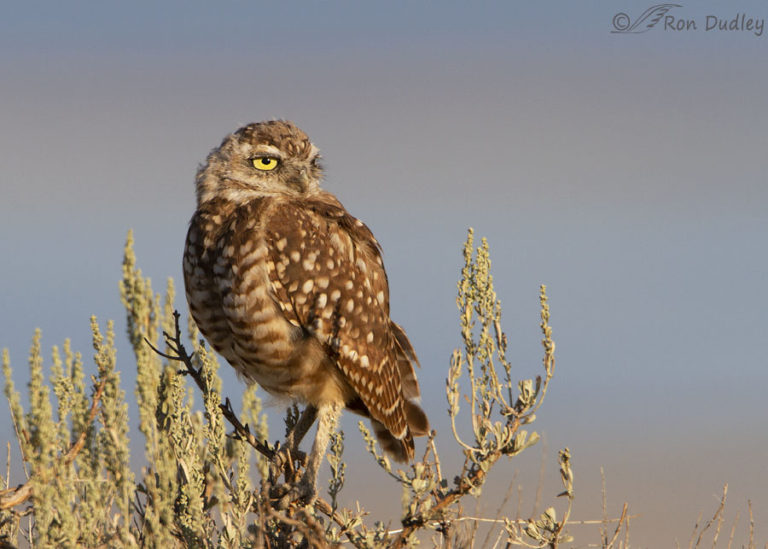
x=264 y=158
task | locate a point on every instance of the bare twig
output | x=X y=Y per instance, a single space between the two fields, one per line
x=622 y=518
x=604 y=493
x=714 y=517
x=540 y=482
x=8 y=465
x=499 y=509
x=15 y=496
x=626 y=534
x=710 y=521
x=695 y=529
x=733 y=531
x=720 y=521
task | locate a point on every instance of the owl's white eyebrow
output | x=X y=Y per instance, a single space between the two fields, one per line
x=267 y=150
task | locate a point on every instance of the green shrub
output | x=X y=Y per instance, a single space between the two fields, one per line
x=203 y=487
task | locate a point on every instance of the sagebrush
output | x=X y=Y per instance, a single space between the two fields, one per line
x=212 y=479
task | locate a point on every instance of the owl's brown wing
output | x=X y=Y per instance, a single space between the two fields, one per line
x=328 y=276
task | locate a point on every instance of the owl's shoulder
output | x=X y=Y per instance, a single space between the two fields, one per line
x=325 y=209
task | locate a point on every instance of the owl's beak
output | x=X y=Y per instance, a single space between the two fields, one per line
x=300 y=181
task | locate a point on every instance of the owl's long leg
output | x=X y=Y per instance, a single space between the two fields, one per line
x=328 y=414
x=303 y=424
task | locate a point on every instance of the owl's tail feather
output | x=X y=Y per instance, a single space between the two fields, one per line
x=401 y=449
x=398 y=449
x=406 y=358
x=418 y=424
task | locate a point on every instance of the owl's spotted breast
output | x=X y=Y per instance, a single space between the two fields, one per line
x=226 y=264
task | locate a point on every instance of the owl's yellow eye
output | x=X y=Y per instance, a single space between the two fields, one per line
x=265 y=163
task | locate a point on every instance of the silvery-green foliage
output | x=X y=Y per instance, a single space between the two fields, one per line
x=210 y=478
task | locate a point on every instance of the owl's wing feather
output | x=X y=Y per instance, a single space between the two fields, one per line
x=327 y=273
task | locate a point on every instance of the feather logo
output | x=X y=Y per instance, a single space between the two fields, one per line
x=622 y=24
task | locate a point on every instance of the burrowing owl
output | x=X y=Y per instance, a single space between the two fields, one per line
x=291 y=289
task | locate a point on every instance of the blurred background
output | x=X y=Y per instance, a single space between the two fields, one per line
x=625 y=171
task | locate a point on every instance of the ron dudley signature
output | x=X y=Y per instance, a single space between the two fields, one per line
x=741 y=22
x=668 y=18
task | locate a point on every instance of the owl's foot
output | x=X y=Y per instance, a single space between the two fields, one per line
x=303 y=490
x=287 y=461
x=303 y=424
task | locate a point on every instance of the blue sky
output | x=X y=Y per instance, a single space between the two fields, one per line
x=627 y=172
